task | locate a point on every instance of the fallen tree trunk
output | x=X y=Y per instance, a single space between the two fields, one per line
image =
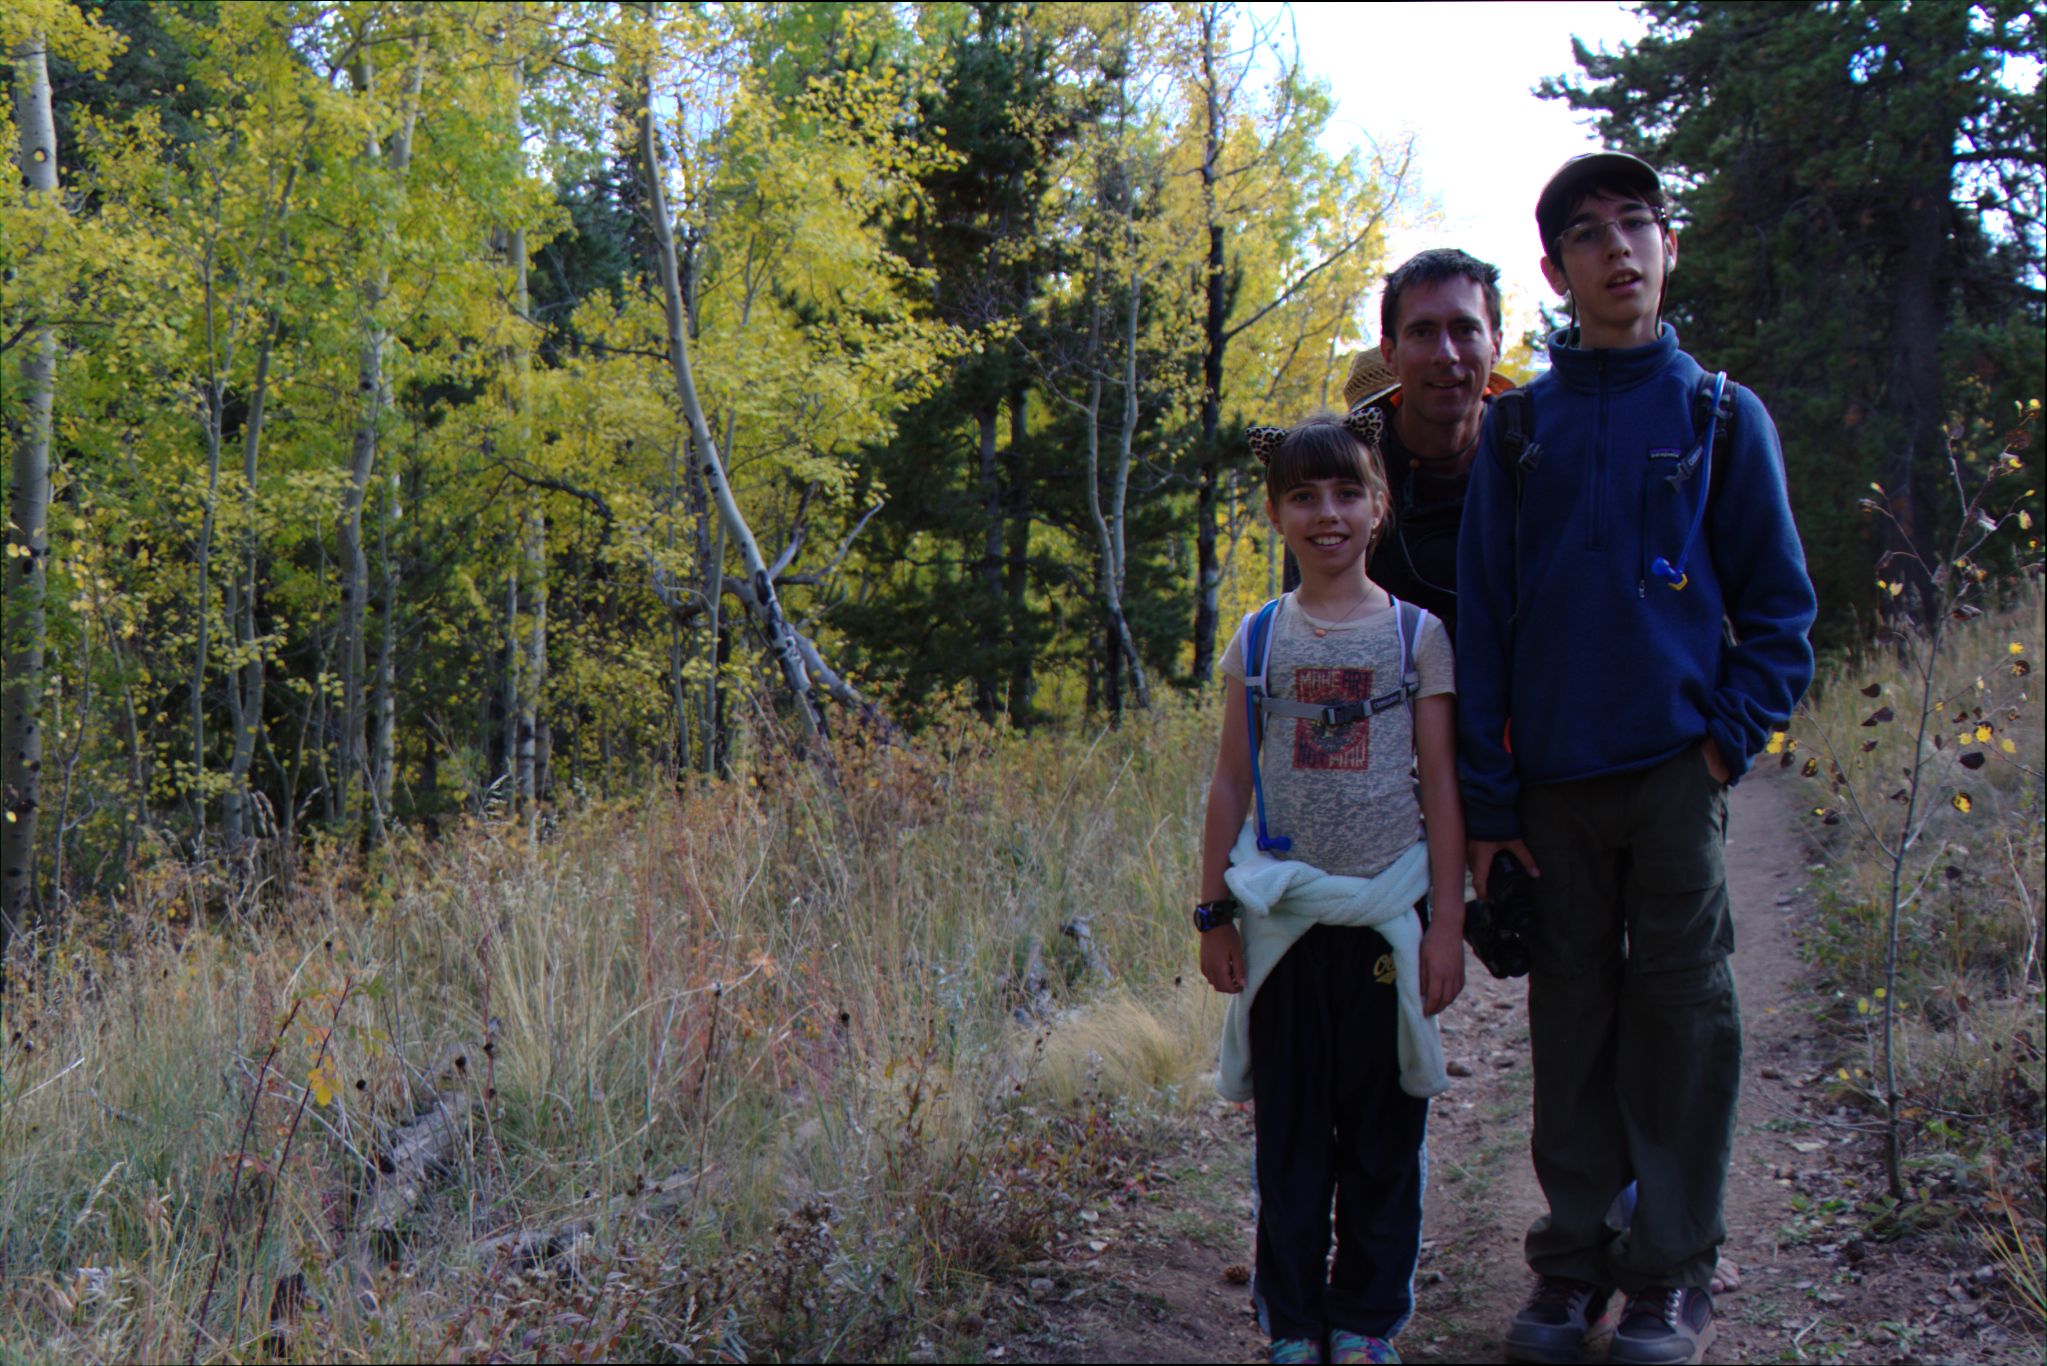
x=1081 y=931
x=563 y=1244
x=403 y=1169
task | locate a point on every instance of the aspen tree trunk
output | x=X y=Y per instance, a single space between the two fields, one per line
x=245 y=690
x=1208 y=469
x=1109 y=526
x=678 y=689
x=352 y=757
x=714 y=642
x=1119 y=497
x=1105 y=549
x=28 y=541
x=1016 y=505
x=534 y=559
x=195 y=795
x=781 y=636
x=384 y=742
x=1119 y=487
x=987 y=689
x=509 y=708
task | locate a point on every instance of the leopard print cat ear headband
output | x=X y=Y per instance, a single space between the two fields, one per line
x=1364 y=422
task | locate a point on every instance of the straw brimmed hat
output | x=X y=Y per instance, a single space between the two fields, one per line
x=1370 y=378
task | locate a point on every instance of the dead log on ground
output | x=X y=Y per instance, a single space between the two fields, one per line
x=414 y=1153
x=559 y=1247
x=1081 y=931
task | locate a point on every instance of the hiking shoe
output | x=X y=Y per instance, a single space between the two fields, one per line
x=1665 y=1325
x=1348 y=1347
x=1560 y=1316
x=1295 y=1351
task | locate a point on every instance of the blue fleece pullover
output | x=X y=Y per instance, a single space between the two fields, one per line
x=1572 y=660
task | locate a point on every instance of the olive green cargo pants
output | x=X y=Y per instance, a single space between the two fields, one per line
x=1635 y=1032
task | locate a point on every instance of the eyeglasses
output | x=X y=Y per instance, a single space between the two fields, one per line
x=1590 y=235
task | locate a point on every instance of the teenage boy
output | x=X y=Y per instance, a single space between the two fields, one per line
x=1624 y=650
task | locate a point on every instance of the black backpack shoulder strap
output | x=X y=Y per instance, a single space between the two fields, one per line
x=1514 y=411
x=1723 y=428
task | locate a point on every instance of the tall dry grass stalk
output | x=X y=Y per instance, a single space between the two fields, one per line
x=808 y=1000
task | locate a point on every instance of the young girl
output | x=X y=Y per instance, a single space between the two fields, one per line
x=1318 y=934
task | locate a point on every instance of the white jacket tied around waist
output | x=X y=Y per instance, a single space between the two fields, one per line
x=1282 y=899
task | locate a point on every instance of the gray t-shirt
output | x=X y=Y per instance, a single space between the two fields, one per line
x=1345 y=795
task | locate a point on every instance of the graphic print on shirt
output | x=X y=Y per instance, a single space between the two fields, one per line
x=1319 y=746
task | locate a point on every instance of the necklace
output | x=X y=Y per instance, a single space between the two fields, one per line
x=1416 y=458
x=1342 y=620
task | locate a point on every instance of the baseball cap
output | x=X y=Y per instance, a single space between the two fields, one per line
x=1571 y=179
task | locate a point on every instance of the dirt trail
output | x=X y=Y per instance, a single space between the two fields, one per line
x=1161 y=1282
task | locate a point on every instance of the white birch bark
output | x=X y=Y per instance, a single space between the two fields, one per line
x=371 y=396
x=384 y=712
x=781 y=637
x=245 y=690
x=28 y=542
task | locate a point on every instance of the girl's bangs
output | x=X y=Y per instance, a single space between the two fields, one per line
x=1321 y=450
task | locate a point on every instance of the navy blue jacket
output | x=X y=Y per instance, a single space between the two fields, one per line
x=1572 y=659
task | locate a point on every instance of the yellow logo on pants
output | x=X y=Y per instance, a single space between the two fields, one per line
x=1382 y=971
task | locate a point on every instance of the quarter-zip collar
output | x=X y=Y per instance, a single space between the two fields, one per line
x=1587 y=371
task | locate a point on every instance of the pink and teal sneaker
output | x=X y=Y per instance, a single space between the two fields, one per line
x=1346 y=1346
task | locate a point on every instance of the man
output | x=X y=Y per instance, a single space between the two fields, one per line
x=1626 y=509
x=1439 y=337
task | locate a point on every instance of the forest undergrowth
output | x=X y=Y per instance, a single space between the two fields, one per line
x=776 y=1068
x=783 y=1068
x=1967 y=994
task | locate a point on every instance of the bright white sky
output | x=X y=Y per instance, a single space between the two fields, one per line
x=1461 y=78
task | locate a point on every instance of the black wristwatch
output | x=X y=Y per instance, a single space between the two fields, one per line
x=1213 y=915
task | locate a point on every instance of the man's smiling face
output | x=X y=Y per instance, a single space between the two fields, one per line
x=1442 y=349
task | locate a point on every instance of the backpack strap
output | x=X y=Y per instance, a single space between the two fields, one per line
x=1519 y=452
x=1257 y=653
x=1718 y=404
x=1259 y=703
x=1717 y=417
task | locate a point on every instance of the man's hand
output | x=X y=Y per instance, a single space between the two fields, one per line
x=1222 y=959
x=1716 y=762
x=1442 y=965
x=1478 y=856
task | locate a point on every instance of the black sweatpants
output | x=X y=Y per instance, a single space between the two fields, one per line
x=1332 y=1121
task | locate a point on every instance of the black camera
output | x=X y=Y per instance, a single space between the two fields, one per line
x=1501 y=928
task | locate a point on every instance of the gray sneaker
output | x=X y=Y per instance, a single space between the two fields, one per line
x=1561 y=1316
x=1665 y=1325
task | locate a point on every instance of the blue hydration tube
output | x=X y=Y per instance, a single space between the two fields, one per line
x=1674 y=574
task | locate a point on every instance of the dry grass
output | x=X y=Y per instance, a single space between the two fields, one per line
x=808 y=1001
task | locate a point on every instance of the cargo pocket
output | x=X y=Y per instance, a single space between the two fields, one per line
x=1676 y=885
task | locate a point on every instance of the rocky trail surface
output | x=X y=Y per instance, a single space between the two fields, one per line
x=1160 y=1275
